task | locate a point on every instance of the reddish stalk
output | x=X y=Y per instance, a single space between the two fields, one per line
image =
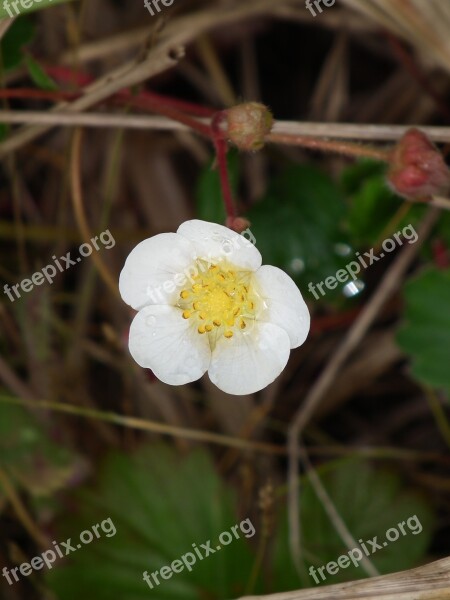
x=221 y=148
x=27 y=93
x=160 y=108
x=193 y=109
x=65 y=75
x=184 y=112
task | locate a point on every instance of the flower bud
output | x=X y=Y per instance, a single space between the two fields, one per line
x=246 y=125
x=238 y=224
x=417 y=168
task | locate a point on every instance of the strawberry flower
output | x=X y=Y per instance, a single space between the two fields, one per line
x=205 y=304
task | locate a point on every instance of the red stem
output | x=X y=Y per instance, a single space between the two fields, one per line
x=221 y=148
x=37 y=94
x=188 y=107
x=157 y=106
x=221 y=152
x=65 y=75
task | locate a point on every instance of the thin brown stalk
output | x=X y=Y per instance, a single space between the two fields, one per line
x=77 y=200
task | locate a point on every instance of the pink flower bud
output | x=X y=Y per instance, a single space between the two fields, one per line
x=417 y=168
x=238 y=224
x=246 y=125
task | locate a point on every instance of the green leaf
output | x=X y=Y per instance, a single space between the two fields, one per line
x=425 y=335
x=161 y=506
x=371 y=203
x=208 y=194
x=39 y=76
x=20 y=7
x=18 y=35
x=298 y=226
x=370 y=503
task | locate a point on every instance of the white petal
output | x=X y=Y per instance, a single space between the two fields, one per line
x=161 y=340
x=156 y=270
x=248 y=362
x=285 y=305
x=214 y=241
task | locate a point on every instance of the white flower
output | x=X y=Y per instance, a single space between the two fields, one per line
x=206 y=304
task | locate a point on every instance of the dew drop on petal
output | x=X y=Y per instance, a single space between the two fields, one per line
x=150 y=320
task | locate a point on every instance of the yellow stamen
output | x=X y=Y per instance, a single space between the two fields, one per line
x=218 y=300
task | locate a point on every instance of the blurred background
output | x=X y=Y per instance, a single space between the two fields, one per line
x=87 y=435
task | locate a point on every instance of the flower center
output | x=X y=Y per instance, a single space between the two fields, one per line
x=220 y=299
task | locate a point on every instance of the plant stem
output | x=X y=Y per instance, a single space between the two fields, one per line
x=158 y=106
x=221 y=147
x=337 y=146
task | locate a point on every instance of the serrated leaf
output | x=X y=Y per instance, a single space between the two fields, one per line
x=161 y=506
x=298 y=226
x=370 y=503
x=39 y=76
x=425 y=335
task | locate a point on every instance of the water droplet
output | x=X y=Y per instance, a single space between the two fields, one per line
x=353 y=288
x=342 y=249
x=150 y=320
x=297 y=265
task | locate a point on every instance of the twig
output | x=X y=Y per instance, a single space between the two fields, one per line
x=336 y=146
x=13 y=383
x=77 y=200
x=438 y=413
x=159 y=59
x=21 y=511
x=387 y=287
x=344 y=131
x=210 y=437
x=148 y=425
x=338 y=523
x=429 y=582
